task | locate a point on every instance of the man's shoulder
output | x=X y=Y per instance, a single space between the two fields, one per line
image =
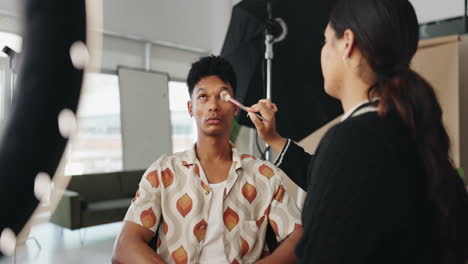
x=254 y=166
x=170 y=160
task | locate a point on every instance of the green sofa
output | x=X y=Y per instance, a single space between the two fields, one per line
x=96 y=199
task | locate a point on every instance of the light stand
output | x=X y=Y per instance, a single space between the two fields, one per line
x=275 y=31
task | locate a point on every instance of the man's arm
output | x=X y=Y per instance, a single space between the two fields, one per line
x=283 y=209
x=131 y=246
x=285 y=252
x=141 y=222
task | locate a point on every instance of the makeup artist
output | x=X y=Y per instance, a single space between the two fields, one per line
x=381 y=186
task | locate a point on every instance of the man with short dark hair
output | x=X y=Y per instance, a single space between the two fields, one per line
x=210 y=204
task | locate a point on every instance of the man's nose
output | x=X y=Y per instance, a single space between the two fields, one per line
x=214 y=103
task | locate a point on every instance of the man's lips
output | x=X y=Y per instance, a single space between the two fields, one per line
x=213 y=120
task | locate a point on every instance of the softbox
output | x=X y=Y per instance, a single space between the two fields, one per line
x=297 y=82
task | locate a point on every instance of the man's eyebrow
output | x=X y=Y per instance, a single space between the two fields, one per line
x=199 y=89
x=225 y=88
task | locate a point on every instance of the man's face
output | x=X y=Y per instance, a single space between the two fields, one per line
x=213 y=115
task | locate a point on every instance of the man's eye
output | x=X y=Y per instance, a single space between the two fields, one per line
x=202 y=96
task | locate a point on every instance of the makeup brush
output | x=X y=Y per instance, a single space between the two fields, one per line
x=226 y=97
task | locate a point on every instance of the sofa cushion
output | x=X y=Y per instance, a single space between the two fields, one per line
x=129 y=181
x=109 y=204
x=105 y=212
x=97 y=187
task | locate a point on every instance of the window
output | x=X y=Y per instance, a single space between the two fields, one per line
x=7 y=78
x=183 y=132
x=97 y=145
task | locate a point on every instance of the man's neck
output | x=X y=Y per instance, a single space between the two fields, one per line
x=213 y=149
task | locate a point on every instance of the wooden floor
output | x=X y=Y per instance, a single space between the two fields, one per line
x=63 y=246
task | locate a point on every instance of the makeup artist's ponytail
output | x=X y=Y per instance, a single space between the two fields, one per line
x=388 y=37
x=413 y=98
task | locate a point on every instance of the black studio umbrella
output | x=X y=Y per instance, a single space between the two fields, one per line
x=297 y=82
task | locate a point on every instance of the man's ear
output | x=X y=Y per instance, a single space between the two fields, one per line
x=236 y=110
x=189 y=108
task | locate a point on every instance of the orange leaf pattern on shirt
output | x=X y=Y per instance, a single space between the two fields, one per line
x=180 y=256
x=200 y=230
x=196 y=169
x=148 y=218
x=204 y=186
x=274 y=226
x=260 y=221
x=280 y=194
x=246 y=156
x=266 y=171
x=249 y=192
x=167 y=177
x=165 y=227
x=152 y=177
x=184 y=205
x=267 y=211
x=231 y=219
x=244 y=247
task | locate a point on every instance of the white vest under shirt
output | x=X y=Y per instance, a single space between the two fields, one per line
x=213 y=244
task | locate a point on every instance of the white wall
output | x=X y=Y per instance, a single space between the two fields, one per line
x=183 y=22
x=196 y=25
x=200 y=24
x=8 y=16
x=221 y=15
x=9 y=6
x=435 y=10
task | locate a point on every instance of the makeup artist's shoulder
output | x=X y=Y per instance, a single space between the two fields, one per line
x=356 y=128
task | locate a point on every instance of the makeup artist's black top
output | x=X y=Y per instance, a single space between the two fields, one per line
x=365 y=195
